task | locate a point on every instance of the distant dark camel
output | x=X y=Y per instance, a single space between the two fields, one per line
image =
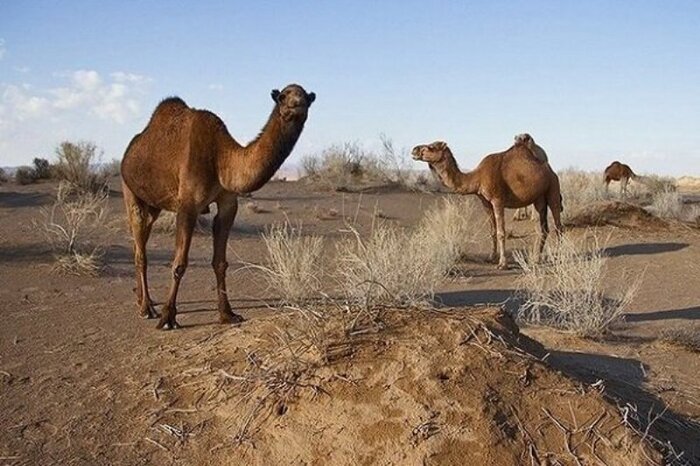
x=617 y=171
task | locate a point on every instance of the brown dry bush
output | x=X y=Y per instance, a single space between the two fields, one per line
x=401 y=267
x=294 y=264
x=25 y=175
x=74 y=227
x=3 y=176
x=77 y=164
x=566 y=289
x=349 y=166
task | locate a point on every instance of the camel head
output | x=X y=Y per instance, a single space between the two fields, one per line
x=293 y=102
x=432 y=153
x=523 y=139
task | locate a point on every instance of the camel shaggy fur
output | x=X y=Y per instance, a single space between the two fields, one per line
x=184 y=160
x=617 y=171
x=524 y=139
x=511 y=179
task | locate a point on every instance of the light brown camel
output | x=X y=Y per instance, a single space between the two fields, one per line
x=617 y=171
x=186 y=159
x=525 y=139
x=511 y=179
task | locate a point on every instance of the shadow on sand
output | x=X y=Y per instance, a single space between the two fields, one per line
x=623 y=381
x=505 y=298
x=691 y=313
x=14 y=199
x=643 y=249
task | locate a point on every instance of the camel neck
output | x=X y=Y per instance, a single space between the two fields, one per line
x=246 y=169
x=456 y=180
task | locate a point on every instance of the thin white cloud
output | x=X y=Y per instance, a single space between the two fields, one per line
x=216 y=87
x=2 y=48
x=86 y=102
x=86 y=90
x=21 y=69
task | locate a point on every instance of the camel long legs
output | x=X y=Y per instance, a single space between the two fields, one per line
x=541 y=208
x=141 y=218
x=498 y=212
x=227 y=207
x=186 y=219
x=492 y=223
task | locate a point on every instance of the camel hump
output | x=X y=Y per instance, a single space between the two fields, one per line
x=169 y=107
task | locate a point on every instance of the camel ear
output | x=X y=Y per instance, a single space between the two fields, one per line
x=440 y=145
x=311 y=97
x=275 y=95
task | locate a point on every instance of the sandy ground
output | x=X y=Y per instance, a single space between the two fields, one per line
x=74 y=355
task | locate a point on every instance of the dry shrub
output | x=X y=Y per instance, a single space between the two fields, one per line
x=73 y=228
x=655 y=184
x=77 y=164
x=25 y=175
x=3 y=176
x=391 y=266
x=579 y=189
x=341 y=166
x=403 y=267
x=112 y=168
x=566 y=291
x=453 y=228
x=167 y=223
x=667 y=204
x=344 y=166
x=42 y=169
x=294 y=263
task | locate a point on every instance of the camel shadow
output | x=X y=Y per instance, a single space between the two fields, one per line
x=643 y=249
x=691 y=313
x=505 y=298
x=13 y=199
x=622 y=385
x=26 y=253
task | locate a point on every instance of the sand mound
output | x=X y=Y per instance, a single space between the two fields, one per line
x=615 y=213
x=445 y=388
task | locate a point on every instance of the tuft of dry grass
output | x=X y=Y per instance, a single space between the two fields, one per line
x=73 y=227
x=683 y=337
x=454 y=228
x=294 y=263
x=401 y=267
x=667 y=203
x=579 y=189
x=566 y=290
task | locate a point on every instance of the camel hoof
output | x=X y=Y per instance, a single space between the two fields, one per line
x=168 y=325
x=149 y=312
x=167 y=320
x=230 y=318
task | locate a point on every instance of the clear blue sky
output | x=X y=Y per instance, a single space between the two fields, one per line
x=592 y=81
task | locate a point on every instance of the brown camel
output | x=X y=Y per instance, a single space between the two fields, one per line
x=511 y=179
x=525 y=139
x=186 y=159
x=617 y=171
